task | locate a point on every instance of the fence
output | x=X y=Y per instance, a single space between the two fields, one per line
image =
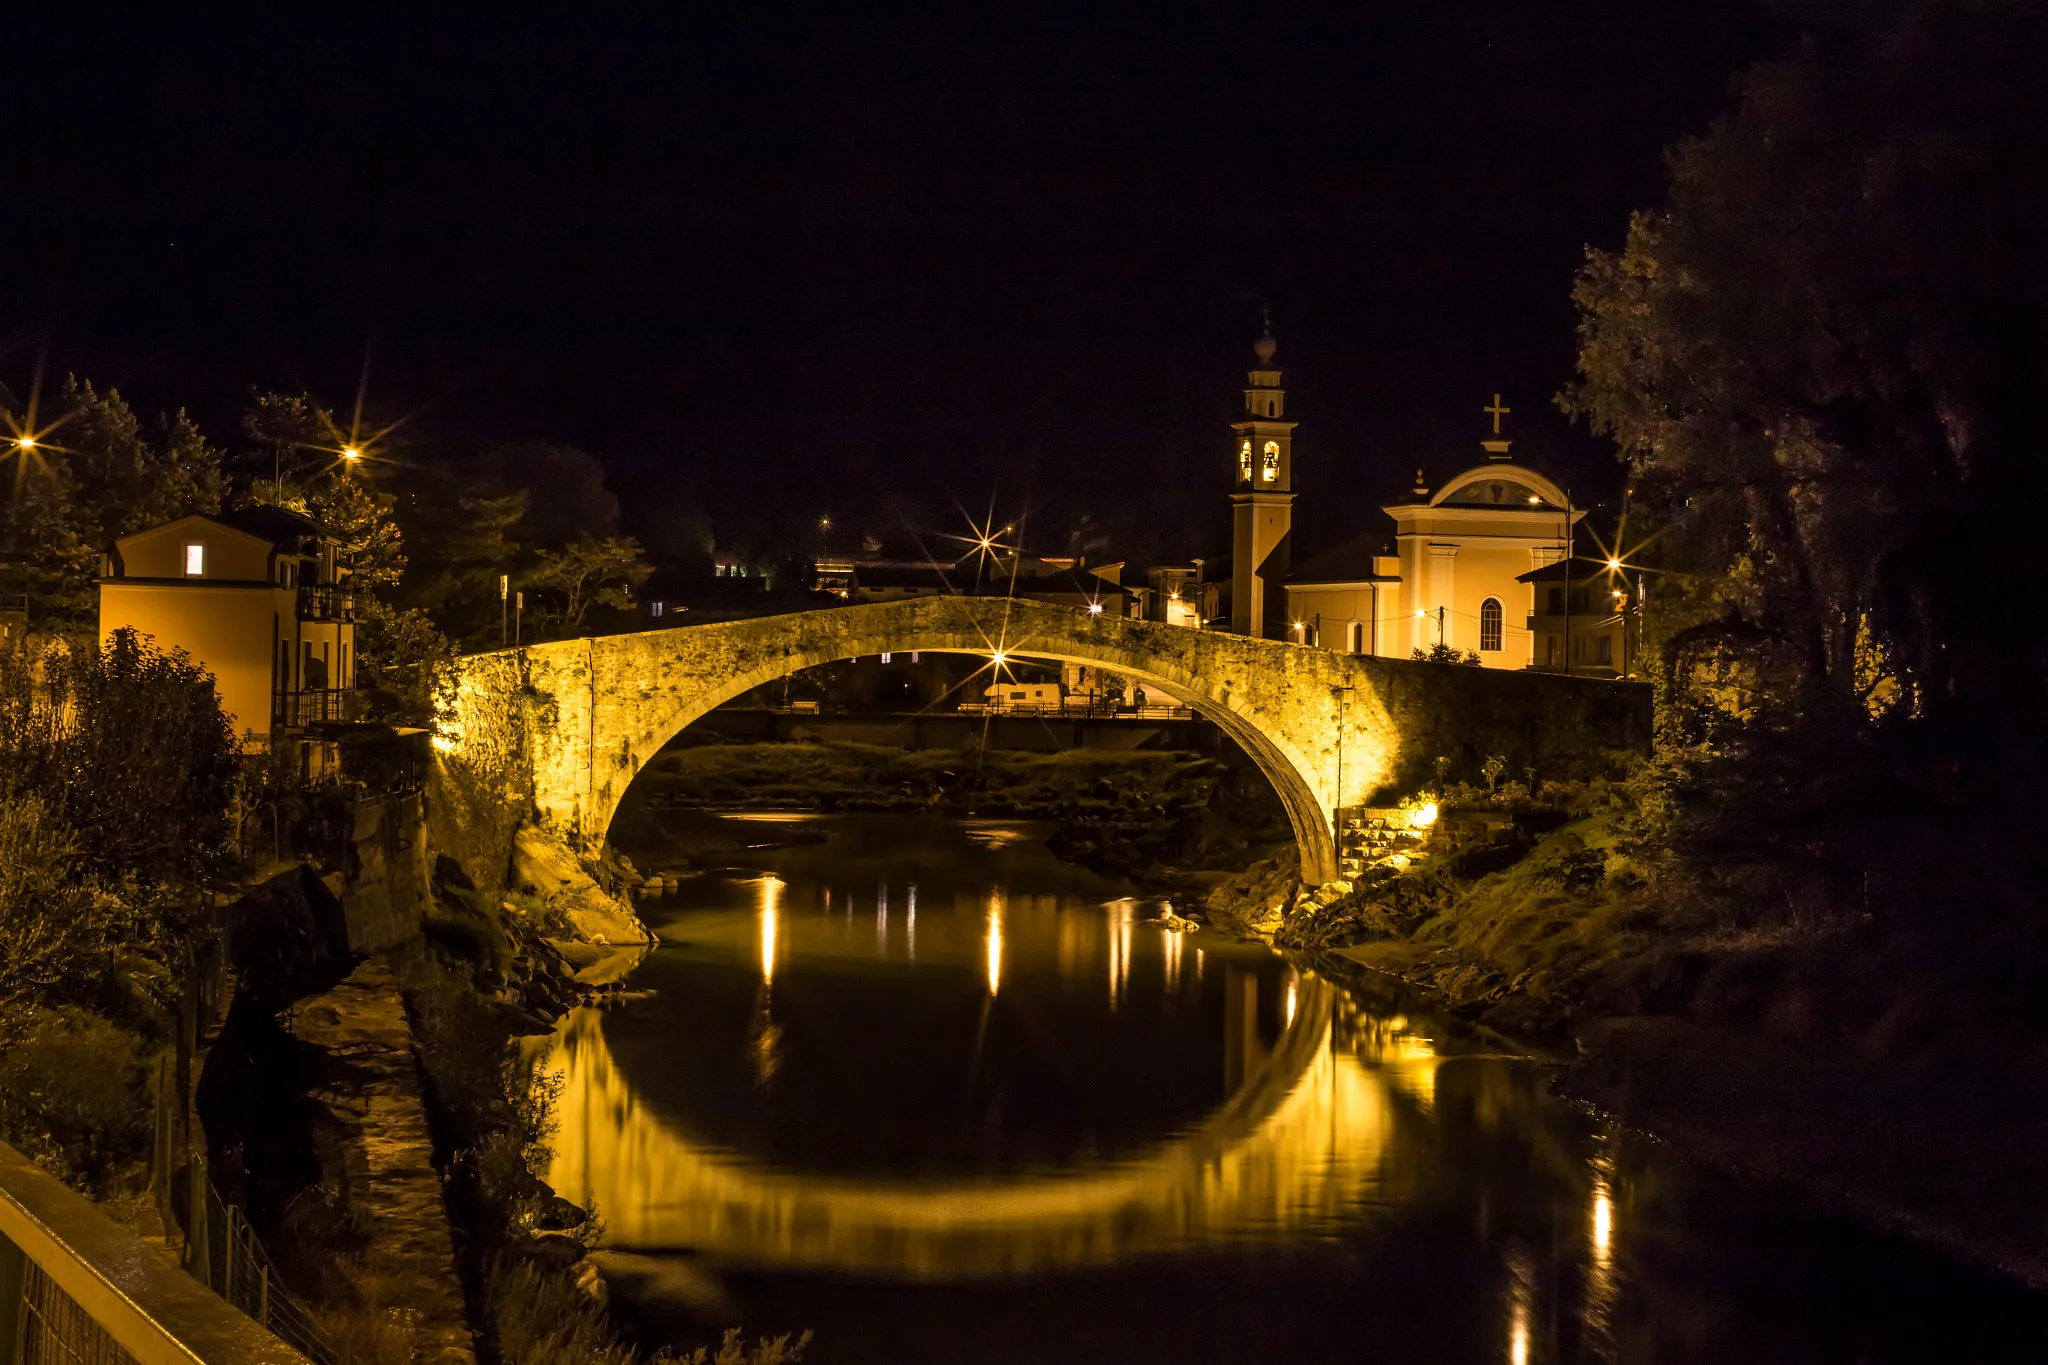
x=76 y=1288
x=51 y=1327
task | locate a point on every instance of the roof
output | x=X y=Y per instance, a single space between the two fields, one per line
x=1349 y=562
x=1500 y=485
x=1584 y=570
x=274 y=526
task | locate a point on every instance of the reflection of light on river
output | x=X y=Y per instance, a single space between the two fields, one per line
x=1304 y=1145
x=1521 y=1298
x=1171 y=957
x=910 y=920
x=771 y=917
x=995 y=941
x=1121 y=914
x=1601 y=1281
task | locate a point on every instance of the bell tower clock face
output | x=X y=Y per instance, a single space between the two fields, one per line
x=1244 y=462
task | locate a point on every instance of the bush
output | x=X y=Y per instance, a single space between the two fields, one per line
x=74 y=1096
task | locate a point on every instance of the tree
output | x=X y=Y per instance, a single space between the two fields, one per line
x=400 y=657
x=98 y=476
x=309 y=475
x=588 y=572
x=1825 y=351
x=125 y=747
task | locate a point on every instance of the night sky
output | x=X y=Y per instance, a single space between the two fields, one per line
x=776 y=268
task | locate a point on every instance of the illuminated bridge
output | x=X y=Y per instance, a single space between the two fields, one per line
x=563 y=728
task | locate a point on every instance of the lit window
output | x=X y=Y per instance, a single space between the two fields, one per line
x=1244 y=462
x=1271 y=469
x=885 y=656
x=195 y=560
x=1489 y=625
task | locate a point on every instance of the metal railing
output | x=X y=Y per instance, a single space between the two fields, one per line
x=77 y=1288
x=52 y=1329
x=318 y=603
x=316 y=705
x=223 y=1254
x=1079 y=708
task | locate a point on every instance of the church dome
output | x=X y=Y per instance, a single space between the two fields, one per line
x=1500 y=485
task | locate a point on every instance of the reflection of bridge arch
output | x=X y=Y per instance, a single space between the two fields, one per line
x=571 y=723
x=1292 y=1150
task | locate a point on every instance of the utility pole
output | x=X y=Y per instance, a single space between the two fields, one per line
x=504 y=591
x=518 y=612
x=1567 y=582
x=1439 y=627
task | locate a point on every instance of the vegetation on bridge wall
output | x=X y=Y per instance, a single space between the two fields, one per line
x=1561 y=729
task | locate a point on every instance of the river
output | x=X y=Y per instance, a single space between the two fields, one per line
x=921 y=1087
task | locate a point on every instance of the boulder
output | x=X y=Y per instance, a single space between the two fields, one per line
x=559 y=1215
x=554 y=872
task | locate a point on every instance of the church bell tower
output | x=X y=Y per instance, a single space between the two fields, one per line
x=1262 y=503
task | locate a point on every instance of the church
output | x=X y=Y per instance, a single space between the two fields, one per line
x=1477 y=565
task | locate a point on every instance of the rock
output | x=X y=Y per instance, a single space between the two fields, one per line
x=555 y=1249
x=590 y=1281
x=541 y=859
x=559 y=1215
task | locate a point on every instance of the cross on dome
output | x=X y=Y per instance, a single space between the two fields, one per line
x=1497 y=412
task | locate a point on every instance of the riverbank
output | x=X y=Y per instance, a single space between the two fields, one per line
x=1166 y=819
x=1818 y=1057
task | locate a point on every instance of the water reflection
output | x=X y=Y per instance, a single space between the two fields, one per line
x=1304 y=1144
x=933 y=1063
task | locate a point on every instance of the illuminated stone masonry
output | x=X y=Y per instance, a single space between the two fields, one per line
x=565 y=727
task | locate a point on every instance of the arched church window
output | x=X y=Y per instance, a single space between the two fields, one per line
x=1354 y=640
x=1271 y=469
x=1489 y=625
x=1244 y=462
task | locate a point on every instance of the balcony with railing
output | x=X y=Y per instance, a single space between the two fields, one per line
x=316 y=706
x=326 y=603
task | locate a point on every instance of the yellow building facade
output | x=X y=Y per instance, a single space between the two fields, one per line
x=255 y=598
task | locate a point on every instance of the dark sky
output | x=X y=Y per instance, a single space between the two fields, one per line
x=782 y=266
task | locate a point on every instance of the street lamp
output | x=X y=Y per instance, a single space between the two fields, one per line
x=351 y=453
x=25 y=442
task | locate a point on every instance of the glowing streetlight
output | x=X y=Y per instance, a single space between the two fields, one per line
x=1613 y=563
x=997 y=657
x=1095 y=608
x=351 y=453
x=1534 y=500
x=25 y=442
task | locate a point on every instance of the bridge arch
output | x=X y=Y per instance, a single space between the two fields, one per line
x=566 y=726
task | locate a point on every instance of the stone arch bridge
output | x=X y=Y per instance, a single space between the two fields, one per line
x=563 y=728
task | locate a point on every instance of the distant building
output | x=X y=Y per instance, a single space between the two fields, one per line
x=1458 y=567
x=256 y=598
x=1588 y=620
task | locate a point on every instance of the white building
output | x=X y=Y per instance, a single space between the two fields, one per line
x=1452 y=568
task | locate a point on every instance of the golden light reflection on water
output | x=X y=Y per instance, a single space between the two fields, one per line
x=995 y=942
x=771 y=924
x=1307 y=1144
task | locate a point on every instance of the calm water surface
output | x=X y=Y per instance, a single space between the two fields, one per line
x=940 y=1097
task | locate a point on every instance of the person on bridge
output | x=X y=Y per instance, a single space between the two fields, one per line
x=1138 y=701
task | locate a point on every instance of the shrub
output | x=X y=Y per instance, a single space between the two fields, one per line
x=74 y=1096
